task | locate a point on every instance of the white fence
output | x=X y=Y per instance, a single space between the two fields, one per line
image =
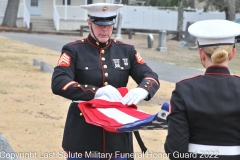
x=26 y=16
x=143 y=17
x=149 y=19
x=71 y=12
x=237 y=16
x=162 y=19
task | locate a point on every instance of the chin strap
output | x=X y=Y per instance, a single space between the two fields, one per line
x=94 y=34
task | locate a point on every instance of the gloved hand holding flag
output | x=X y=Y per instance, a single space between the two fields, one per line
x=134 y=96
x=110 y=91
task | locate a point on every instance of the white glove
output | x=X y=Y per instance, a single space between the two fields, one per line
x=110 y=91
x=134 y=96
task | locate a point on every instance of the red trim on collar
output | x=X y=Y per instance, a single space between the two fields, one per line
x=221 y=74
x=98 y=46
x=191 y=78
x=216 y=66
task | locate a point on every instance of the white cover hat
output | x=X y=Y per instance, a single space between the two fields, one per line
x=102 y=9
x=210 y=32
x=102 y=14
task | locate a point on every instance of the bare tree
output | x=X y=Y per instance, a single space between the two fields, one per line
x=229 y=6
x=231 y=10
x=11 y=12
x=89 y=1
x=125 y=2
x=148 y=2
x=237 y=6
x=180 y=18
x=191 y=3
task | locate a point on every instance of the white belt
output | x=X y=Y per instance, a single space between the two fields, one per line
x=208 y=149
x=78 y=101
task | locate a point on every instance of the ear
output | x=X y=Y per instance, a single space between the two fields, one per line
x=201 y=54
x=231 y=56
x=89 y=22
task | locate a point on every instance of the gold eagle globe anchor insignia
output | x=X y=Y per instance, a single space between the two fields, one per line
x=104 y=8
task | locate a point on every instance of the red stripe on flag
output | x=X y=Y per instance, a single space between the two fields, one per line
x=135 y=113
x=97 y=118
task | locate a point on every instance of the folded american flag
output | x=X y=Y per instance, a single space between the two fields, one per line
x=113 y=116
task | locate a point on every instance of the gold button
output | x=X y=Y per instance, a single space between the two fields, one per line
x=79 y=85
x=82 y=40
x=93 y=89
x=86 y=68
x=97 y=43
x=80 y=114
x=105 y=83
x=102 y=51
x=103 y=58
x=122 y=67
x=106 y=74
x=106 y=43
x=105 y=66
x=147 y=82
x=145 y=86
x=86 y=86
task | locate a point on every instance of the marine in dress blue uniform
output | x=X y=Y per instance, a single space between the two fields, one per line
x=89 y=68
x=204 y=122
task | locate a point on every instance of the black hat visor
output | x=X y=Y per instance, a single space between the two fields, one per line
x=103 y=21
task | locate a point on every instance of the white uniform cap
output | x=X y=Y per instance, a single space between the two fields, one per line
x=102 y=9
x=210 y=32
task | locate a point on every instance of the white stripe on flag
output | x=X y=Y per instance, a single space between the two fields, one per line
x=118 y=115
x=106 y=98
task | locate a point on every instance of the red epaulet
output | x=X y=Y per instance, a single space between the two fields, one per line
x=78 y=42
x=119 y=42
x=190 y=78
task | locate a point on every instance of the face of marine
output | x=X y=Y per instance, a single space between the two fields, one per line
x=102 y=33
